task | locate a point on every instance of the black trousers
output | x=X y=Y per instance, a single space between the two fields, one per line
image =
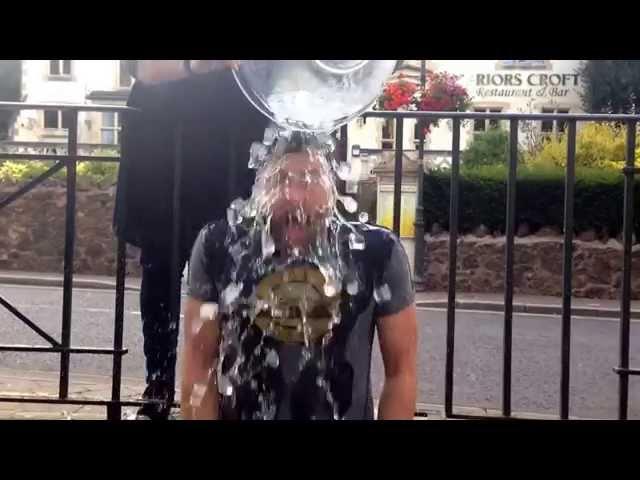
x=159 y=332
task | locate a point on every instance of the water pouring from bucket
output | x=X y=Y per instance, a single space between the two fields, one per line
x=291 y=251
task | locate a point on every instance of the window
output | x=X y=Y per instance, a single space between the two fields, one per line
x=124 y=75
x=110 y=130
x=60 y=68
x=54 y=119
x=388 y=133
x=483 y=124
x=554 y=126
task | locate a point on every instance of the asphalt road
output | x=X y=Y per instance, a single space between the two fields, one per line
x=478 y=352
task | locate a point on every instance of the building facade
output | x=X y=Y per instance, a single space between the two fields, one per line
x=71 y=81
x=495 y=86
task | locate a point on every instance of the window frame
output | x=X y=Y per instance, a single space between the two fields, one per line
x=488 y=124
x=61 y=75
x=61 y=121
x=115 y=128
x=555 y=124
x=390 y=124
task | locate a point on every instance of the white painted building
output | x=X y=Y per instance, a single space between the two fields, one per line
x=495 y=86
x=71 y=81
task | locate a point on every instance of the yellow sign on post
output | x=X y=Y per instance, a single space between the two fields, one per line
x=407 y=210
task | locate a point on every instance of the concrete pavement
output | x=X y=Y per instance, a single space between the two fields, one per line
x=40 y=384
x=595 y=352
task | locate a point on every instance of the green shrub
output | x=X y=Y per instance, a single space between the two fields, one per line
x=486 y=148
x=539 y=199
x=89 y=174
x=598 y=145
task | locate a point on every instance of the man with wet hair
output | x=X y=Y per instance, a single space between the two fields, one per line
x=309 y=357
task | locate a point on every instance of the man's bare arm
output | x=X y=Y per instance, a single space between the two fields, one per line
x=397 y=334
x=199 y=390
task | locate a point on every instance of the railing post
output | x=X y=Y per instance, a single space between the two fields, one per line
x=69 y=245
x=625 y=300
x=508 y=275
x=567 y=271
x=418 y=259
x=114 y=410
x=397 y=177
x=453 y=262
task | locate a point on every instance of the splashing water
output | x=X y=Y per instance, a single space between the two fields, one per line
x=356 y=241
x=349 y=204
x=257 y=154
x=231 y=294
x=382 y=293
x=352 y=287
x=294 y=250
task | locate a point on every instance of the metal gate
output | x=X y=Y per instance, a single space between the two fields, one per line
x=68 y=161
x=630 y=122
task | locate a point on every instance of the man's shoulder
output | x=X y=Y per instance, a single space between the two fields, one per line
x=213 y=234
x=376 y=237
x=379 y=245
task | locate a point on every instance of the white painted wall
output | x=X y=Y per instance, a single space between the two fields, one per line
x=39 y=87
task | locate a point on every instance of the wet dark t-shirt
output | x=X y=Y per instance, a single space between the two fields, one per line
x=382 y=262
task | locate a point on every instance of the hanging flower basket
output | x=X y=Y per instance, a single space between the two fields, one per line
x=442 y=93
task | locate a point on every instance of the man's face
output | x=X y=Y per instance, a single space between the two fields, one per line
x=300 y=192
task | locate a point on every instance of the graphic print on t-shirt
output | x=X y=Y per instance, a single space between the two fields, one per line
x=303 y=312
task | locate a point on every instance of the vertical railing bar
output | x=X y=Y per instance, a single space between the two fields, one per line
x=625 y=301
x=509 y=254
x=69 y=244
x=176 y=247
x=397 y=177
x=567 y=271
x=453 y=261
x=114 y=411
x=418 y=257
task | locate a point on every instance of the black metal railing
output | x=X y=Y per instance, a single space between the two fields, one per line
x=514 y=120
x=64 y=346
x=69 y=160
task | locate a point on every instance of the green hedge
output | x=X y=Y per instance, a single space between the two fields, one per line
x=539 y=199
x=89 y=174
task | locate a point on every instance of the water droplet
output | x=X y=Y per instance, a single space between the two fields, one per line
x=363 y=217
x=352 y=287
x=270 y=134
x=272 y=359
x=257 y=154
x=350 y=205
x=198 y=392
x=225 y=387
x=356 y=241
x=330 y=289
x=232 y=217
x=268 y=245
x=382 y=293
x=231 y=293
x=208 y=311
x=343 y=171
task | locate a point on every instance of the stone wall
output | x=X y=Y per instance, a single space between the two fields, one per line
x=32 y=239
x=32 y=231
x=538 y=262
